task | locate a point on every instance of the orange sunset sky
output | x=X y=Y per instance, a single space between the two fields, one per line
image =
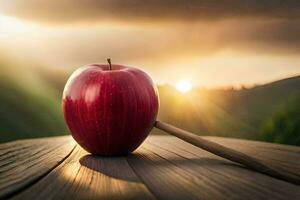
x=211 y=43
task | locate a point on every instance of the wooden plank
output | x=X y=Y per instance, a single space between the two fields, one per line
x=247 y=160
x=173 y=169
x=82 y=176
x=283 y=157
x=24 y=162
x=164 y=167
x=257 y=144
x=166 y=180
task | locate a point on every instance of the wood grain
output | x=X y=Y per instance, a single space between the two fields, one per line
x=83 y=176
x=164 y=167
x=24 y=162
x=215 y=177
x=248 y=160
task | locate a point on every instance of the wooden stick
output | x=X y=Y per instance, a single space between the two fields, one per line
x=227 y=153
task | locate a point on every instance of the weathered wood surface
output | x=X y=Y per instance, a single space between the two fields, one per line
x=24 y=162
x=247 y=160
x=164 y=167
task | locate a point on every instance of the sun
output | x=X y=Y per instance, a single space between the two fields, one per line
x=183 y=86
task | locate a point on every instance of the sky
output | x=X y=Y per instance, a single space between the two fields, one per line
x=211 y=43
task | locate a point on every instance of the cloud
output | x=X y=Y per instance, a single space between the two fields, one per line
x=201 y=29
x=68 y=11
x=74 y=46
x=275 y=36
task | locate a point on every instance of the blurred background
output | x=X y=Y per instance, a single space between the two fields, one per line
x=224 y=68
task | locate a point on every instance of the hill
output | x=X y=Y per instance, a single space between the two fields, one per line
x=234 y=113
x=30 y=106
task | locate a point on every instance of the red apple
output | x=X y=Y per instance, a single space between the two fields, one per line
x=110 y=109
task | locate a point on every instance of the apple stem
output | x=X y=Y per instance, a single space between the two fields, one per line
x=109 y=62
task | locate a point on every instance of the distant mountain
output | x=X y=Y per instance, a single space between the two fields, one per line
x=30 y=105
x=254 y=105
x=234 y=113
x=283 y=126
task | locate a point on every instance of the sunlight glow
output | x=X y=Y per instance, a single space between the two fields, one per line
x=183 y=86
x=10 y=27
x=11 y=24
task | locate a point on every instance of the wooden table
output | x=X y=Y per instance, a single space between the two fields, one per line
x=164 y=167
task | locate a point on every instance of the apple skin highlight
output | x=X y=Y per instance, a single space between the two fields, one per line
x=110 y=109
